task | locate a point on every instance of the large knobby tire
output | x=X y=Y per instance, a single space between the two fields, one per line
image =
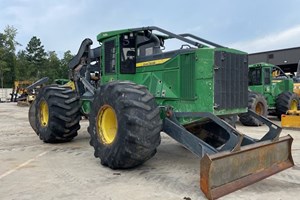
x=124 y=125
x=286 y=101
x=57 y=114
x=231 y=120
x=32 y=117
x=258 y=104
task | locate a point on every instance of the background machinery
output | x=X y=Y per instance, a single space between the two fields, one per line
x=291 y=119
x=296 y=78
x=20 y=94
x=271 y=90
x=132 y=87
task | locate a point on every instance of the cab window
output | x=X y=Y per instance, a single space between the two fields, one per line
x=255 y=76
x=128 y=53
x=267 y=76
x=110 y=56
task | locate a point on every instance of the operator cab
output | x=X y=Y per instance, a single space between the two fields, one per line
x=125 y=51
x=136 y=46
x=263 y=74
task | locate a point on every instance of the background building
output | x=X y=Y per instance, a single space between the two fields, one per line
x=286 y=59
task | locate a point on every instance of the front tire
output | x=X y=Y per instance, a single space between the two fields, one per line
x=258 y=104
x=124 y=125
x=56 y=114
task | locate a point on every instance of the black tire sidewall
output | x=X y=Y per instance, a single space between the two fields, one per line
x=62 y=104
x=43 y=131
x=139 y=125
x=253 y=99
x=260 y=99
x=106 y=149
x=281 y=106
x=32 y=116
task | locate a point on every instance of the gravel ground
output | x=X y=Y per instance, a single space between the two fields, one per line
x=31 y=169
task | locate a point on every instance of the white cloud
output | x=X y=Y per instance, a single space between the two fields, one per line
x=280 y=40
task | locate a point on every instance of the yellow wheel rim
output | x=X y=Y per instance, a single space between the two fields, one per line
x=294 y=105
x=107 y=124
x=44 y=113
x=259 y=109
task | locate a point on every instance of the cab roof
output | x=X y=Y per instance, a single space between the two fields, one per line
x=195 y=41
x=104 y=35
x=261 y=64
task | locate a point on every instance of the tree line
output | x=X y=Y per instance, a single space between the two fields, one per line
x=31 y=63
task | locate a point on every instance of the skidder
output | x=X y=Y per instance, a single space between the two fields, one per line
x=130 y=88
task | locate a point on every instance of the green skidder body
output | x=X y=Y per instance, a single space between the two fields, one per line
x=270 y=81
x=135 y=85
x=188 y=79
x=271 y=91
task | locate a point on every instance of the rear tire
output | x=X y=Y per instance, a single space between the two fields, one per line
x=286 y=101
x=258 y=104
x=57 y=114
x=124 y=125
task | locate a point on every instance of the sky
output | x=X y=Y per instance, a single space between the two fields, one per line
x=250 y=26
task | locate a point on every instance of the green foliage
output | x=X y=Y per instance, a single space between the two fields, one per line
x=35 y=52
x=51 y=67
x=7 y=55
x=25 y=70
x=31 y=63
x=63 y=68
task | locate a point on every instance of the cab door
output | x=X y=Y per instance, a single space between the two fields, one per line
x=110 y=61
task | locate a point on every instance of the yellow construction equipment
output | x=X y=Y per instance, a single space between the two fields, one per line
x=291 y=119
x=297 y=88
x=20 y=93
x=297 y=80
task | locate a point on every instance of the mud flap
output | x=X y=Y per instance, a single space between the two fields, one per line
x=226 y=172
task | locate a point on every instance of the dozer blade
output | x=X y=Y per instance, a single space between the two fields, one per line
x=225 y=172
